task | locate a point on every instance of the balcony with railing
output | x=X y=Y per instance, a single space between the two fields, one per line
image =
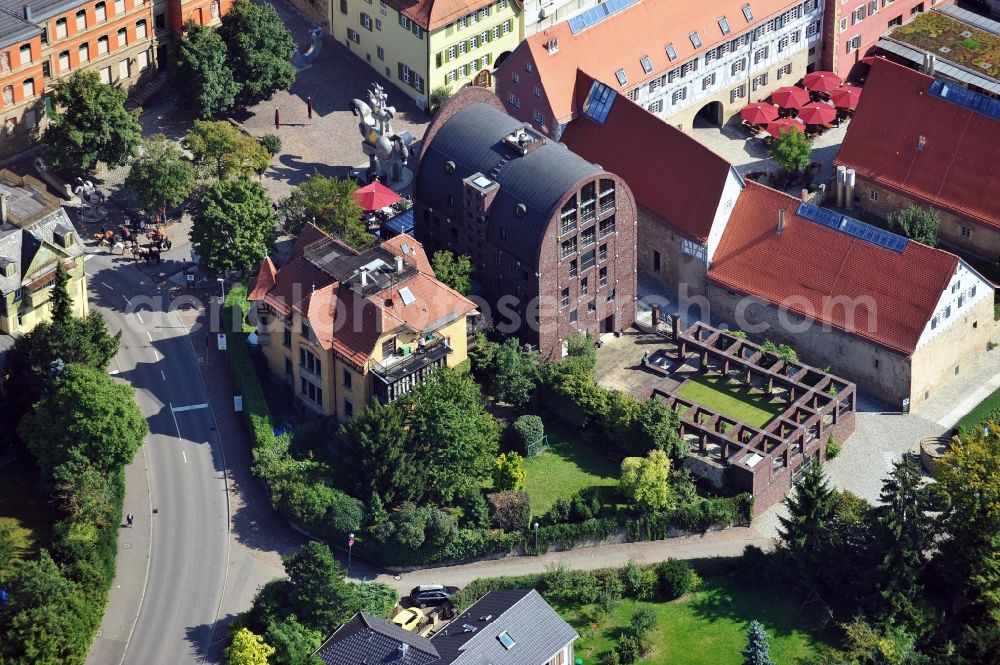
x=397 y=375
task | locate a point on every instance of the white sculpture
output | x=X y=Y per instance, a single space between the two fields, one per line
x=388 y=152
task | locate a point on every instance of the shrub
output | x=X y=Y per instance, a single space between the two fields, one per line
x=572 y=586
x=642 y=623
x=676 y=578
x=508 y=472
x=607 y=601
x=473 y=505
x=628 y=649
x=529 y=431
x=832 y=448
x=611 y=658
x=271 y=143
x=438 y=97
x=632 y=578
x=509 y=510
x=376 y=598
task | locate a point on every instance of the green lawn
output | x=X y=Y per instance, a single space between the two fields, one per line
x=709 y=627
x=567 y=466
x=27 y=513
x=731 y=400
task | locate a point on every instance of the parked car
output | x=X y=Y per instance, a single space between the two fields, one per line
x=409 y=619
x=431 y=594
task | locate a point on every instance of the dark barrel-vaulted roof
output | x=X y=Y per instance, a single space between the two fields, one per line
x=473 y=138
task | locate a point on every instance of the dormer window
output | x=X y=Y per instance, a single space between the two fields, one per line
x=646 y=65
x=620 y=75
x=671 y=52
x=724 y=25
x=747 y=13
x=695 y=39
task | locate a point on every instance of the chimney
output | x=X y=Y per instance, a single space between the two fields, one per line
x=849 y=190
x=781 y=222
x=929 y=62
x=27 y=13
x=399 y=264
x=4 y=206
x=841 y=185
x=364 y=278
x=921 y=142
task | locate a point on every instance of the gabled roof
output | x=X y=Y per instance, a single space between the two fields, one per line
x=366 y=639
x=957 y=167
x=433 y=14
x=536 y=630
x=33 y=249
x=809 y=266
x=685 y=186
x=642 y=30
x=264 y=281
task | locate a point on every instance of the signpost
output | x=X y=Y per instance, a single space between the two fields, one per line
x=350 y=546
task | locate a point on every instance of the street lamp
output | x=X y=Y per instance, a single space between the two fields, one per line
x=222 y=284
x=350 y=546
x=536 y=537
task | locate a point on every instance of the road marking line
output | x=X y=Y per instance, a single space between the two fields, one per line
x=127 y=301
x=139 y=316
x=184 y=455
x=163 y=375
x=176 y=426
x=190 y=407
x=150 y=337
x=106 y=285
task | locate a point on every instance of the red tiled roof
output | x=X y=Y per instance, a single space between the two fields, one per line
x=416 y=256
x=642 y=30
x=957 y=168
x=809 y=265
x=310 y=234
x=686 y=185
x=432 y=14
x=264 y=280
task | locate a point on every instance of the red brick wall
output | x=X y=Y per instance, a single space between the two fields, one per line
x=524 y=88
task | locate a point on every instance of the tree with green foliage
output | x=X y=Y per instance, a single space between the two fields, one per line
x=319 y=593
x=328 y=203
x=455 y=271
x=644 y=481
x=60 y=302
x=805 y=531
x=374 y=456
x=293 y=643
x=221 y=150
x=47 y=619
x=248 y=648
x=202 y=77
x=233 y=226
x=917 y=223
x=660 y=428
x=161 y=175
x=451 y=432
x=866 y=644
x=969 y=531
x=791 y=150
x=783 y=351
x=758 y=651
x=90 y=123
x=87 y=494
x=259 y=49
x=376 y=598
x=439 y=96
x=514 y=374
x=87 y=417
x=508 y=472
x=905 y=535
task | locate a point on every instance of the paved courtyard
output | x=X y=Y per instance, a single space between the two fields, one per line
x=749 y=154
x=330 y=143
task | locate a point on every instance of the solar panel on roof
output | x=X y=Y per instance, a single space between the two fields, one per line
x=588 y=18
x=966 y=98
x=599 y=102
x=853 y=227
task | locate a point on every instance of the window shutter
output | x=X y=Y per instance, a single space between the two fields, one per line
x=399 y=70
x=438 y=58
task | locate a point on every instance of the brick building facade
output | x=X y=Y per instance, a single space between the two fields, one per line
x=552 y=237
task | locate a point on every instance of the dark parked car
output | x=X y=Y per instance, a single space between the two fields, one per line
x=431 y=594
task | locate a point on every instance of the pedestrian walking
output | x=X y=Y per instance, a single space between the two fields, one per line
x=129 y=518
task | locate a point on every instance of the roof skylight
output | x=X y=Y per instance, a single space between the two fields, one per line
x=747 y=13
x=506 y=640
x=620 y=75
x=724 y=25
x=695 y=39
x=407 y=296
x=671 y=51
x=647 y=66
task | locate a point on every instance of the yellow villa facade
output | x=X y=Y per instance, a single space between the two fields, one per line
x=431 y=43
x=341 y=329
x=35 y=237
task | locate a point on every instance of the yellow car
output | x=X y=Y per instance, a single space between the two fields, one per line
x=409 y=619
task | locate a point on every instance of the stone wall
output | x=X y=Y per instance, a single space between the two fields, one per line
x=676 y=268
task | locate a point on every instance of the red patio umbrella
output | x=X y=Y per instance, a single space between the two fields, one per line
x=776 y=128
x=821 y=81
x=817 y=113
x=759 y=113
x=846 y=97
x=790 y=97
x=375 y=197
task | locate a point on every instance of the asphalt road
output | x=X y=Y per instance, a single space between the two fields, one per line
x=179 y=547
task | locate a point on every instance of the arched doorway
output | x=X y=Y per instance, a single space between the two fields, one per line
x=483 y=79
x=710 y=115
x=500 y=59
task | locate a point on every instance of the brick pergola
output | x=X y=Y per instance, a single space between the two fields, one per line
x=762 y=460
